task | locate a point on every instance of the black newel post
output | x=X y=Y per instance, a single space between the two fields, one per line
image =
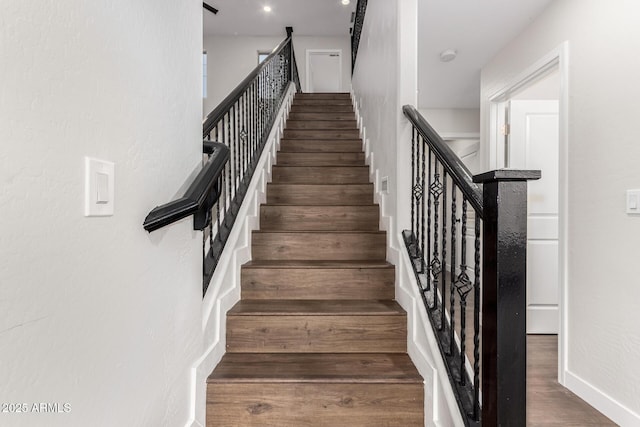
x=504 y=339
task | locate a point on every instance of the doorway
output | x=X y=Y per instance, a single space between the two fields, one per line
x=529 y=129
x=324 y=70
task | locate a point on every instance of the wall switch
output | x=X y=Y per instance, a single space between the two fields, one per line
x=99 y=187
x=633 y=202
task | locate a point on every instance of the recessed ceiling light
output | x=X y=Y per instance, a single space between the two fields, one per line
x=346 y=2
x=267 y=8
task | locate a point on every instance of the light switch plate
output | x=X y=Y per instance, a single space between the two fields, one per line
x=99 y=187
x=633 y=202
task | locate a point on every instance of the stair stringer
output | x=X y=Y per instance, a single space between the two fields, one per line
x=440 y=405
x=224 y=288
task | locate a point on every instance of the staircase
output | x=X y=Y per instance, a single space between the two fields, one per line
x=317 y=339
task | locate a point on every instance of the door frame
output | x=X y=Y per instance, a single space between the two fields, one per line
x=557 y=58
x=308 y=54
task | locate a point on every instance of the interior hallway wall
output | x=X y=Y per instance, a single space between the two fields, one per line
x=603 y=293
x=99 y=317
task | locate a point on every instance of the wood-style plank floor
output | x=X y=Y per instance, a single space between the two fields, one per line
x=549 y=403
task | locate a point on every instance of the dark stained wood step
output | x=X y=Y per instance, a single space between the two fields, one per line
x=319 y=245
x=321 y=145
x=320 y=174
x=322 y=116
x=303 y=308
x=318 y=280
x=319 y=218
x=315 y=368
x=315 y=405
x=321 y=108
x=321 y=134
x=322 y=101
x=321 y=124
x=316 y=326
x=320 y=159
x=320 y=194
x=324 y=95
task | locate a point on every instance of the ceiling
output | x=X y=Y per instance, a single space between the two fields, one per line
x=476 y=29
x=307 y=17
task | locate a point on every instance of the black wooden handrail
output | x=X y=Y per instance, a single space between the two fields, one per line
x=199 y=197
x=450 y=161
x=218 y=113
x=358 y=22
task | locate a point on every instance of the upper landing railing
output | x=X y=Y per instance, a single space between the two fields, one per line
x=234 y=135
x=467 y=245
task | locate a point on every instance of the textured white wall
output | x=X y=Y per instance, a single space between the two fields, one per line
x=232 y=58
x=384 y=80
x=96 y=312
x=375 y=84
x=453 y=120
x=603 y=292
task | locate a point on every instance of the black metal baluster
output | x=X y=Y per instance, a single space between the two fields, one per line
x=428 y=254
x=463 y=286
x=414 y=180
x=417 y=192
x=452 y=277
x=435 y=266
x=423 y=262
x=443 y=270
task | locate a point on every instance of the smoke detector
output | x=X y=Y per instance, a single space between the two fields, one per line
x=448 y=55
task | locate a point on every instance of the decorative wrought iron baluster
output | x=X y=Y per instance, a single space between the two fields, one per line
x=443 y=270
x=476 y=323
x=427 y=255
x=435 y=266
x=414 y=180
x=452 y=277
x=423 y=262
x=418 y=192
x=463 y=286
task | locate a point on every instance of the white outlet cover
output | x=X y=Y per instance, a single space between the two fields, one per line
x=99 y=187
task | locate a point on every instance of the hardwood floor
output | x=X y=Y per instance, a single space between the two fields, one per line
x=548 y=403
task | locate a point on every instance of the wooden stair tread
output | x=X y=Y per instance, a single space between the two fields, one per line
x=317 y=264
x=315 y=368
x=316 y=308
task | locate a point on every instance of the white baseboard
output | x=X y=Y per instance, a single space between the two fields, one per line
x=604 y=403
x=224 y=288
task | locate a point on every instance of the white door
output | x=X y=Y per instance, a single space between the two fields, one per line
x=534 y=144
x=324 y=71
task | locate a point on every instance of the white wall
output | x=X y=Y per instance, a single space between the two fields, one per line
x=453 y=120
x=96 y=312
x=385 y=79
x=603 y=341
x=232 y=58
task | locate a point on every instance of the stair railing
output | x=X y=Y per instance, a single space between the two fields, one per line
x=467 y=245
x=234 y=135
x=356 y=31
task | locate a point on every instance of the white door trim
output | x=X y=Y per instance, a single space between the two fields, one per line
x=308 y=54
x=558 y=57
